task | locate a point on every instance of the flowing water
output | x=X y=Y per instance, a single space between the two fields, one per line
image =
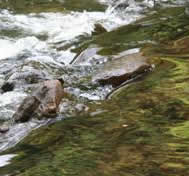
x=44 y=41
x=43 y=38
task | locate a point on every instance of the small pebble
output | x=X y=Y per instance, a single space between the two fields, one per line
x=4 y=129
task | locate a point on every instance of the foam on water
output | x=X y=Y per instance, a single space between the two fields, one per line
x=44 y=60
x=29 y=45
x=10 y=97
x=5 y=159
x=61 y=27
x=56 y=28
x=7 y=49
x=7 y=103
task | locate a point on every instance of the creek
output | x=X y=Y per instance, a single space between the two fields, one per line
x=43 y=42
x=74 y=40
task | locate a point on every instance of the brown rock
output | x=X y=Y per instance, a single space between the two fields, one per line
x=122 y=69
x=99 y=29
x=43 y=102
x=54 y=92
x=26 y=109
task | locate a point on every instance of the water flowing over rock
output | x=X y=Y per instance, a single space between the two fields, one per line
x=88 y=57
x=122 y=69
x=25 y=76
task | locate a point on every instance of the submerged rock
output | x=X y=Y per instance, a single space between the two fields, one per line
x=21 y=78
x=99 y=29
x=177 y=48
x=122 y=6
x=28 y=75
x=87 y=56
x=7 y=86
x=187 y=11
x=119 y=70
x=43 y=102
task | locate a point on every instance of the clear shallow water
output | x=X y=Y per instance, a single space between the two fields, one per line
x=17 y=132
x=37 y=38
x=127 y=134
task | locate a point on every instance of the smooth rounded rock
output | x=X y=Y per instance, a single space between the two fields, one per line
x=4 y=128
x=122 y=69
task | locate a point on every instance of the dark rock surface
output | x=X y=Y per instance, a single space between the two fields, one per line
x=7 y=86
x=26 y=109
x=99 y=29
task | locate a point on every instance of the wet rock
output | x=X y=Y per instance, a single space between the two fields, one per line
x=81 y=108
x=4 y=128
x=26 y=109
x=67 y=108
x=50 y=94
x=99 y=29
x=87 y=56
x=43 y=102
x=122 y=69
x=7 y=86
x=23 y=78
x=27 y=75
x=122 y=6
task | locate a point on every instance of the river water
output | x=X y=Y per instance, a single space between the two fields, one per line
x=33 y=38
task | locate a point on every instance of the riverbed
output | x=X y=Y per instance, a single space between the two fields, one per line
x=138 y=130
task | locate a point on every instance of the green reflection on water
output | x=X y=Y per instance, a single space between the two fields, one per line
x=143 y=131
x=36 y=6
